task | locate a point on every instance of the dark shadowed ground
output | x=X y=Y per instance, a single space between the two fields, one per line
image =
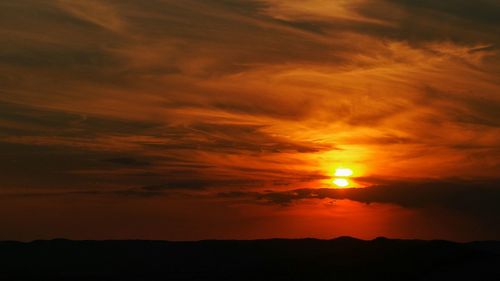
x=306 y=259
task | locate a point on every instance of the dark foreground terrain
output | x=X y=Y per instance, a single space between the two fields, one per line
x=306 y=259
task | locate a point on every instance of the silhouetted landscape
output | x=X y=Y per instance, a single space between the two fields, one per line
x=343 y=258
x=188 y=120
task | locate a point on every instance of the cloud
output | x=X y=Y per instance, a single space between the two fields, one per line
x=424 y=21
x=96 y=12
x=315 y=10
x=248 y=90
x=468 y=197
x=127 y=161
x=483 y=11
x=114 y=154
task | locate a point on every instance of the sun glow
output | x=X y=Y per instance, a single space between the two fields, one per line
x=341 y=175
x=343 y=172
x=341 y=182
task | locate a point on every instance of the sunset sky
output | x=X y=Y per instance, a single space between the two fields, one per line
x=227 y=119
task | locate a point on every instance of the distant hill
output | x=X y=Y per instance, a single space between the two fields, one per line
x=343 y=258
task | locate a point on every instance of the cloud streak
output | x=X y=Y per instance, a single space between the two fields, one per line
x=272 y=77
x=453 y=194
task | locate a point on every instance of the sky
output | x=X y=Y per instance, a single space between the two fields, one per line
x=227 y=119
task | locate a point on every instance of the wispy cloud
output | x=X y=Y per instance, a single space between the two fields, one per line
x=96 y=12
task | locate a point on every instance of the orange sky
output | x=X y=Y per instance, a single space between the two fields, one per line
x=227 y=118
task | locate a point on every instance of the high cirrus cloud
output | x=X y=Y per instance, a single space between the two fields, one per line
x=274 y=84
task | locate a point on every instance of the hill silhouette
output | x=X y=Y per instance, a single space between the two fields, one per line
x=343 y=258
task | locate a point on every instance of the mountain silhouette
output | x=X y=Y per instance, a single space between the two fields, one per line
x=344 y=258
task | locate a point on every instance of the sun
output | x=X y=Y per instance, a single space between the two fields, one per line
x=341 y=182
x=343 y=172
x=341 y=177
